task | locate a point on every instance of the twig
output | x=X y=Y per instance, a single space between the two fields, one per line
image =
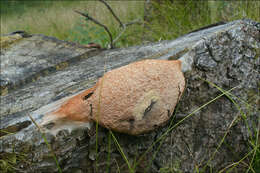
x=112 y=42
x=110 y=9
x=124 y=28
x=136 y=21
x=119 y=35
x=98 y=23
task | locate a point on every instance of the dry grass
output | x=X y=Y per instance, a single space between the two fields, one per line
x=167 y=21
x=59 y=19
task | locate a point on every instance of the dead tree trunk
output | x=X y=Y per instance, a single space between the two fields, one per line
x=38 y=71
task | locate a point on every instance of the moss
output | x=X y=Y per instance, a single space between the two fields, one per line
x=4 y=91
x=179 y=54
x=172 y=168
x=253 y=96
x=6 y=41
x=62 y=65
x=257 y=55
x=46 y=72
x=9 y=161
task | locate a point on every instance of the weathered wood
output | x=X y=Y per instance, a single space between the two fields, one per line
x=49 y=70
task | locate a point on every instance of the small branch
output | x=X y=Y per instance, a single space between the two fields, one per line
x=122 y=25
x=136 y=21
x=98 y=23
x=124 y=28
x=119 y=35
x=110 y=9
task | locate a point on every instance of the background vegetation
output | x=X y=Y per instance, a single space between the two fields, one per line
x=160 y=20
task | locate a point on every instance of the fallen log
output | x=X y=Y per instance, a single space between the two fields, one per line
x=40 y=72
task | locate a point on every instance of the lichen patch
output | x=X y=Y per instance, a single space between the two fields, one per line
x=6 y=41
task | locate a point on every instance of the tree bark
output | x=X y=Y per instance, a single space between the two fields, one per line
x=39 y=71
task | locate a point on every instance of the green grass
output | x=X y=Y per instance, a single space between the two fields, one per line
x=166 y=21
x=171 y=20
x=8 y=161
x=47 y=143
x=58 y=18
x=252 y=155
x=8 y=164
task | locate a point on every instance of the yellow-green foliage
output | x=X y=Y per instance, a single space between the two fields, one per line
x=6 y=41
x=58 y=18
x=167 y=20
x=172 y=19
x=8 y=162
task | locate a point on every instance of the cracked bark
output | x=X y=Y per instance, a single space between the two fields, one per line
x=229 y=42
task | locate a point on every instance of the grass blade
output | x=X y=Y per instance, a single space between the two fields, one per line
x=186 y=117
x=121 y=151
x=47 y=143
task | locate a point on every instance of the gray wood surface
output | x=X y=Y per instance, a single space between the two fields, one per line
x=38 y=71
